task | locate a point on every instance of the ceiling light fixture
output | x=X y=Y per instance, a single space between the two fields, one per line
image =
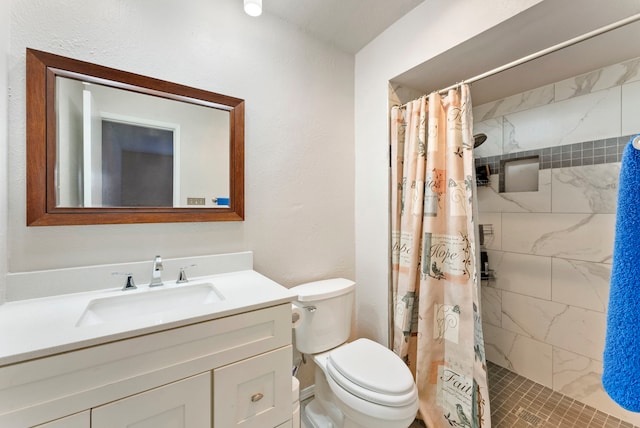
x=253 y=7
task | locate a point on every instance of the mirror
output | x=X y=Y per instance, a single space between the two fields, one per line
x=105 y=146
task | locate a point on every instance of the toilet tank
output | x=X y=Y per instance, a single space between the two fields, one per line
x=326 y=308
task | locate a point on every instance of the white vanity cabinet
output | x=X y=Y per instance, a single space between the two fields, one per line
x=228 y=372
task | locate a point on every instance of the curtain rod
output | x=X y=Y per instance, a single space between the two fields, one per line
x=525 y=59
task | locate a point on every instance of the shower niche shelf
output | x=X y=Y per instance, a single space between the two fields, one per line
x=519 y=174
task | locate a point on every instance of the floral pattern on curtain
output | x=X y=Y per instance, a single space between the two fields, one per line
x=437 y=327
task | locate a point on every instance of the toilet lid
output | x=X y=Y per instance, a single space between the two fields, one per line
x=372 y=372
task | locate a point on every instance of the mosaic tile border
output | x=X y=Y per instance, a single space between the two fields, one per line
x=586 y=153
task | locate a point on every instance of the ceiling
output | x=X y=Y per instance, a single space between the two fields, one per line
x=540 y=27
x=351 y=24
x=347 y=24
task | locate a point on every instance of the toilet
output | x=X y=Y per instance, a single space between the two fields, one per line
x=357 y=384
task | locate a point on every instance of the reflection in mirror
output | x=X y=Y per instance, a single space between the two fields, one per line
x=108 y=146
x=119 y=148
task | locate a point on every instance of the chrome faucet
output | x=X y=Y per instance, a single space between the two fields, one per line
x=156 y=278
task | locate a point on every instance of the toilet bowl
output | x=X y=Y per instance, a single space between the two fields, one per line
x=357 y=384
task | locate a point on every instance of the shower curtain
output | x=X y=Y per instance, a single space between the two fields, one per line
x=437 y=328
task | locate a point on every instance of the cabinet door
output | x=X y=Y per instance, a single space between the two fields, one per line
x=79 y=420
x=182 y=404
x=254 y=393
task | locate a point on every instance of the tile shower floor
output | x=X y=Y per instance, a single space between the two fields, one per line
x=517 y=402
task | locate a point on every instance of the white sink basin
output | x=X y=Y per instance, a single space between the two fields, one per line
x=155 y=302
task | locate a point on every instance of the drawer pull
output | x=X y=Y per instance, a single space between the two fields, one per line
x=256 y=397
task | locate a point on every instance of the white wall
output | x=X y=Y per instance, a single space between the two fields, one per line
x=69 y=109
x=299 y=132
x=4 y=120
x=428 y=30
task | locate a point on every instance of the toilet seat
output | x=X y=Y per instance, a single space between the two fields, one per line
x=372 y=372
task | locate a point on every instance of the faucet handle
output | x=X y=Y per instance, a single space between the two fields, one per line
x=130 y=284
x=182 y=275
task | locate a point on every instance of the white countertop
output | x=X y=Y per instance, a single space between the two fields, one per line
x=41 y=327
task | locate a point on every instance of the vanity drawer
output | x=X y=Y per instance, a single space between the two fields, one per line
x=79 y=420
x=184 y=404
x=254 y=393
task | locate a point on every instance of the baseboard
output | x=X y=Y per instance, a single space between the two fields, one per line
x=307 y=392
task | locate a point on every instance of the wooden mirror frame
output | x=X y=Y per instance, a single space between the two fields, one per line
x=42 y=69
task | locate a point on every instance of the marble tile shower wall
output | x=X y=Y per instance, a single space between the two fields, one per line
x=545 y=312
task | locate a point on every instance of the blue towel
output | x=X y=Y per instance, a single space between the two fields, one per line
x=621 y=376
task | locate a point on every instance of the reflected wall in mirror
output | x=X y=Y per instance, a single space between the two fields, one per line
x=108 y=146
